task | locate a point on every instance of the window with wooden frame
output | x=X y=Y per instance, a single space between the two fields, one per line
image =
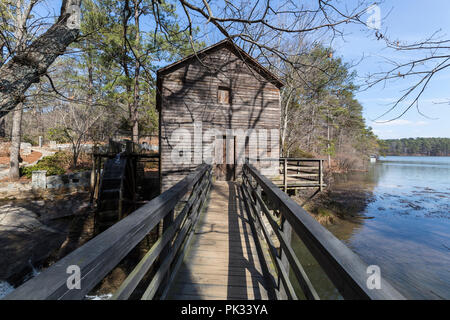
x=224 y=95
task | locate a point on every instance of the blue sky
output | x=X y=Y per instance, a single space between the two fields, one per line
x=405 y=20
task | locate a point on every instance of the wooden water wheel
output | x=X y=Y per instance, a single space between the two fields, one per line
x=117 y=191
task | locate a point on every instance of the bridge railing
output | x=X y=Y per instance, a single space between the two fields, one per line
x=99 y=256
x=344 y=268
x=301 y=172
x=297 y=173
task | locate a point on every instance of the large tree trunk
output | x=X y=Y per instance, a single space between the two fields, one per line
x=16 y=134
x=19 y=73
x=126 y=14
x=15 y=142
x=76 y=153
x=137 y=68
x=2 y=120
x=284 y=125
x=328 y=144
x=2 y=128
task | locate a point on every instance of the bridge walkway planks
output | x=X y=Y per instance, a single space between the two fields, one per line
x=223 y=261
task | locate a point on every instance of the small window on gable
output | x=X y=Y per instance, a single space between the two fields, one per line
x=224 y=95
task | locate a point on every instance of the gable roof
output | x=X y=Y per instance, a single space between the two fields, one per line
x=239 y=52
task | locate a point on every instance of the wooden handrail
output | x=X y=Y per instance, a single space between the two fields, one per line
x=289 y=159
x=296 y=172
x=344 y=268
x=100 y=255
x=297 y=268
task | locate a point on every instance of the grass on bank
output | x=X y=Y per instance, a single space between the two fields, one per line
x=58 y=164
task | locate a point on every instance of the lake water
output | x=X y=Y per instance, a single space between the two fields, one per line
x=405 y=227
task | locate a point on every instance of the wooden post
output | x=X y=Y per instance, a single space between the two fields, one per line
x=93 y=173
x=320 y=174
x=97 y=181
x=286 y=230
x=258 y=208
x=110 y=146
x=128 y=146
x=93 y=178
x=167 y=221
x=299 y=177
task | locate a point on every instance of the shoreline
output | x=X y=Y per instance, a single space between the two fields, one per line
x=412 y=155
x=336 y=205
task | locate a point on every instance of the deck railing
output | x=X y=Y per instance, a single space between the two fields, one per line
x=344 y=268
x=102 y=254
x=300 y=173
x=297 y=173
x=270 y=209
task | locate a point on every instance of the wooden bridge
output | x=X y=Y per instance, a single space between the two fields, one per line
x=219 y=240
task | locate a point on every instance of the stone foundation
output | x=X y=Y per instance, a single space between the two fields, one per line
x=42 y=186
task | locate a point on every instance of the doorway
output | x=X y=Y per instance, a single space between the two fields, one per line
x=226 y=170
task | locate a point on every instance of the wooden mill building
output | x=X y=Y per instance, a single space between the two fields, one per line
x=220 y=87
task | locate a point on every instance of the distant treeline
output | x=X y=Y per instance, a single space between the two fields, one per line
x=416 y=146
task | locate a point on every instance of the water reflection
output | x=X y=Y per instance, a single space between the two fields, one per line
x=408 y=233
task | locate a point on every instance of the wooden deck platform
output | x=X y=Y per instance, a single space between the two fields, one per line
x=223 y=261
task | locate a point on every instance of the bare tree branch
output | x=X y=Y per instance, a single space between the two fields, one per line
x=26 y=68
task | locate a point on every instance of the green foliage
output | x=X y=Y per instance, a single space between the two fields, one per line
x=324 y=212
x=54 y=165
x=326 y=117
x=299 y=153
x=149 y=121
x=29 y=139
x=383 y=147
x=417 y=146
x=366 y=142
x=124 y=63
x=326 y=75
x=57 y=134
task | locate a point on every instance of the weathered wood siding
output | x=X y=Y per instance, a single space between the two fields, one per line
x=189 y=93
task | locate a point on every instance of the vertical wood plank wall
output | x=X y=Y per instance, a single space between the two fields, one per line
x=189 y=93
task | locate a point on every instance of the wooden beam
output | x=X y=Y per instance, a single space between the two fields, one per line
x=100 y=255
x=344 y=268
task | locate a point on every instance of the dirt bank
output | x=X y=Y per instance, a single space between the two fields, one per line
x=35 y=233
x=335 y=205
